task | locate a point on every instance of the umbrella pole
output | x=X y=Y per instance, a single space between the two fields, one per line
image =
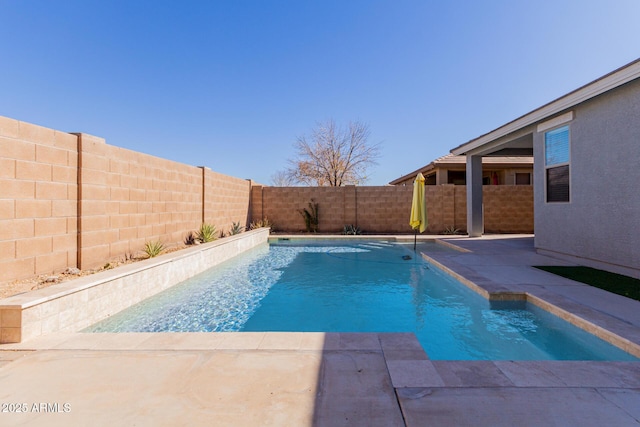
x=415 y=238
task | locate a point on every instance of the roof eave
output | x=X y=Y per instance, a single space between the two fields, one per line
x=604 y=84
x=412 y=175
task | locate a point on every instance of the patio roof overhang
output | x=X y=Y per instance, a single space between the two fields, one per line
x=516 y=137
x=511 y=137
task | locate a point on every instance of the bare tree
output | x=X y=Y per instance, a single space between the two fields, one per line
x=282 y=179
x=333 y=156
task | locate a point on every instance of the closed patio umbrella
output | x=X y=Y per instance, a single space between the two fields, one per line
x=418 y=208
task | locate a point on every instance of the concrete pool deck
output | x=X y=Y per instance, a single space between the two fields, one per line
x=317 y=379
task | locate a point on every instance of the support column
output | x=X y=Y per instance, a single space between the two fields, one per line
x=475 y=221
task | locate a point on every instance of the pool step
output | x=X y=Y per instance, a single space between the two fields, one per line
x=375 y=245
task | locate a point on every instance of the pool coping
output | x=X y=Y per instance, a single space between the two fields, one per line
x=607 y=335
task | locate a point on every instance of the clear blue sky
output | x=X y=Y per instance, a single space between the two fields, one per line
x=230 y=84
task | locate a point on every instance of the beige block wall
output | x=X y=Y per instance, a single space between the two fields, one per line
x=226 y=200
x=71 y=200
x=128 y=198
x=508 y=209
x=460 y=207
x=384 y=209
x=281 y=206
x=441 y=207
x=38 y=199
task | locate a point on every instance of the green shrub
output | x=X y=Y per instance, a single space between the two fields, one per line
x=261 y=223
x=190 y=239
x=236 y=228
x=310 y=217
x=207 y=233
x=351 y=229
x=153 y=248
x=451 y=230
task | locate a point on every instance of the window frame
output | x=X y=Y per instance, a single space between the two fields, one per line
x=547 y=167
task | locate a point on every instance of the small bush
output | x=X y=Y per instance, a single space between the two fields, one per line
x=310 y=217
x=190 y=239
x=207 y=233
x=153 y=248
x=451 y=230
x=236 y=228
x=351 y=229
x=261 y=223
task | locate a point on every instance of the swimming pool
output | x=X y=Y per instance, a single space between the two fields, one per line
x=359 y=286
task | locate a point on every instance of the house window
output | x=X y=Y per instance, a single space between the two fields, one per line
x=523 y=178
x=456 y=177
x=556 y=162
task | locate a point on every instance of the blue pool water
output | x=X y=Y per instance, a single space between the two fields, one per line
x=359 y=287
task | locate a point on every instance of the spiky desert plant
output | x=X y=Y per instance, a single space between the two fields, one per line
x=351 y=229
x=207 y=233
x=310 y=217
x=236 y=228
x=261 y=223
x=451 y=230
x=153 y=248
x=190 y=239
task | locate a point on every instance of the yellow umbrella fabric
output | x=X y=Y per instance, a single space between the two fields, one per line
x=418 y=206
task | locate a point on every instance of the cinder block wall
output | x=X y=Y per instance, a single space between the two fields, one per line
x=226 y=200
x=38 y=199
x=71 y=200
x=459 y=194
x=508 y=209
x=128 y=198
x=384 y=209
x=281 y=205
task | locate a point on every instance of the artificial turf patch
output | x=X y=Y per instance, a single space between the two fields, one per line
x=612 y=282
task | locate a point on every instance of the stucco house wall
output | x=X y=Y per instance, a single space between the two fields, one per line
x=600 y=225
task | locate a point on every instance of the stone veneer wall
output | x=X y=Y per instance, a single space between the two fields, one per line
x=508 y=209
x=79 y=303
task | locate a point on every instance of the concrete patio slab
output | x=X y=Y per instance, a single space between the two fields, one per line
x=161 y=388
x=476 y=373
x=355 y=386
x=523 y=407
